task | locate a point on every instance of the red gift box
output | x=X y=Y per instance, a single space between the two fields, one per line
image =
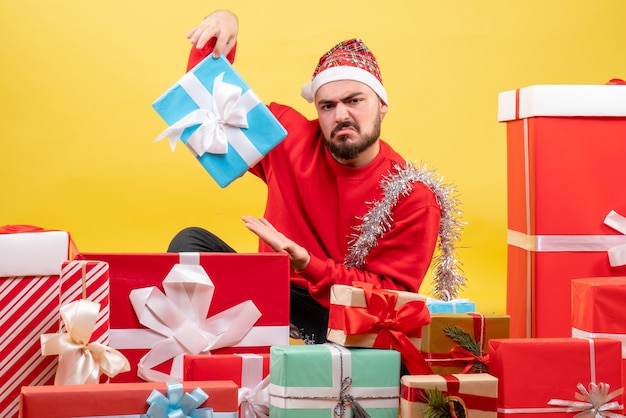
x=533 y=371
x=82 y=279
x=238 y=278
x=598 y=310
x=564 y=164
x=248 y=371
x=115 y=399
x=30 y=264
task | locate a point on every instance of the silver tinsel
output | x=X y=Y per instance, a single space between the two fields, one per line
x=448 y=276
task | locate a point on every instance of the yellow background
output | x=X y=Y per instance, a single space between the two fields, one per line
x=78 y=78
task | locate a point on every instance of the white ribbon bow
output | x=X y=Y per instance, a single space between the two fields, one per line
x=255 y=402
x=180 y=317
x=81 y=361
x=617 y=255
x=592 y=403
x=221 y=114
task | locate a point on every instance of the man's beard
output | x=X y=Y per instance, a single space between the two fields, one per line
x=349 y=151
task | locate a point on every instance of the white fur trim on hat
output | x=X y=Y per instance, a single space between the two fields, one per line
x=343 y=73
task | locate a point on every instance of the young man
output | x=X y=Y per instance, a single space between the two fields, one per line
x=341 y=202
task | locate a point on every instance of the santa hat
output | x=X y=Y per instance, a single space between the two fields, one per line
x=348 y=60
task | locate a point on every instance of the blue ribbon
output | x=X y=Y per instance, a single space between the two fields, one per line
x=177 y=403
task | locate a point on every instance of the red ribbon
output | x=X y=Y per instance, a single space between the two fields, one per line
x=479 y=328
x=393 y=327
x=475 y=402
x=16 y=229
x=467 y=356
x=464 y=355
x=459 y=354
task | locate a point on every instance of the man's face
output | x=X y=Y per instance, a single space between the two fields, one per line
x=350 y=114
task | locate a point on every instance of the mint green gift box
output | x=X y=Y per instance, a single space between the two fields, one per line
x=328 y=380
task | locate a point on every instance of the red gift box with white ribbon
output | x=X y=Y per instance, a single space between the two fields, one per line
x=164 y=306
x=249 y=371
x=565 y=147
x=598 y=310
x=547 y=376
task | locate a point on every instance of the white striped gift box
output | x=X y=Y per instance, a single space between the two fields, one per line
x=87 y=279
x=29 y=307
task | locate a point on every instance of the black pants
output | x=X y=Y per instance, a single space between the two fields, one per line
x=306 y=314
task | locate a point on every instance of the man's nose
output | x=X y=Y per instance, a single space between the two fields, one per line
x=341 y=112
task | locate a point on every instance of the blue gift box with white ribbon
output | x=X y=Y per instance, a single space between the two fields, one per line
x=436 y=306
x=213 y=111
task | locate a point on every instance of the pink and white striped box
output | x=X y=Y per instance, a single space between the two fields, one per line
x=87 y=279
x=29 y=307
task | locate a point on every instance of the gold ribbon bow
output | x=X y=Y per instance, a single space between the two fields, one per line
x=592 y=403
x=79 y=360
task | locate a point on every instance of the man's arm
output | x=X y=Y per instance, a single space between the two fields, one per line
x=399 y=261
x=298 y=256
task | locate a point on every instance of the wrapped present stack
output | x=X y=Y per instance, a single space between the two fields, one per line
x=565 y=252
x=564 y=148
x=30 y=270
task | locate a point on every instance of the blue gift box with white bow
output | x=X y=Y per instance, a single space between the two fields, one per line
x=436 y=306
x=220 y=119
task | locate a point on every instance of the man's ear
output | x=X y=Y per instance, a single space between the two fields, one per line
x=384 y=107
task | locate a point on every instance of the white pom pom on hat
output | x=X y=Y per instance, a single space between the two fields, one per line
x=348 y=60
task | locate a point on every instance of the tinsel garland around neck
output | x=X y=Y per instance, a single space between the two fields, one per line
x=448 y=277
